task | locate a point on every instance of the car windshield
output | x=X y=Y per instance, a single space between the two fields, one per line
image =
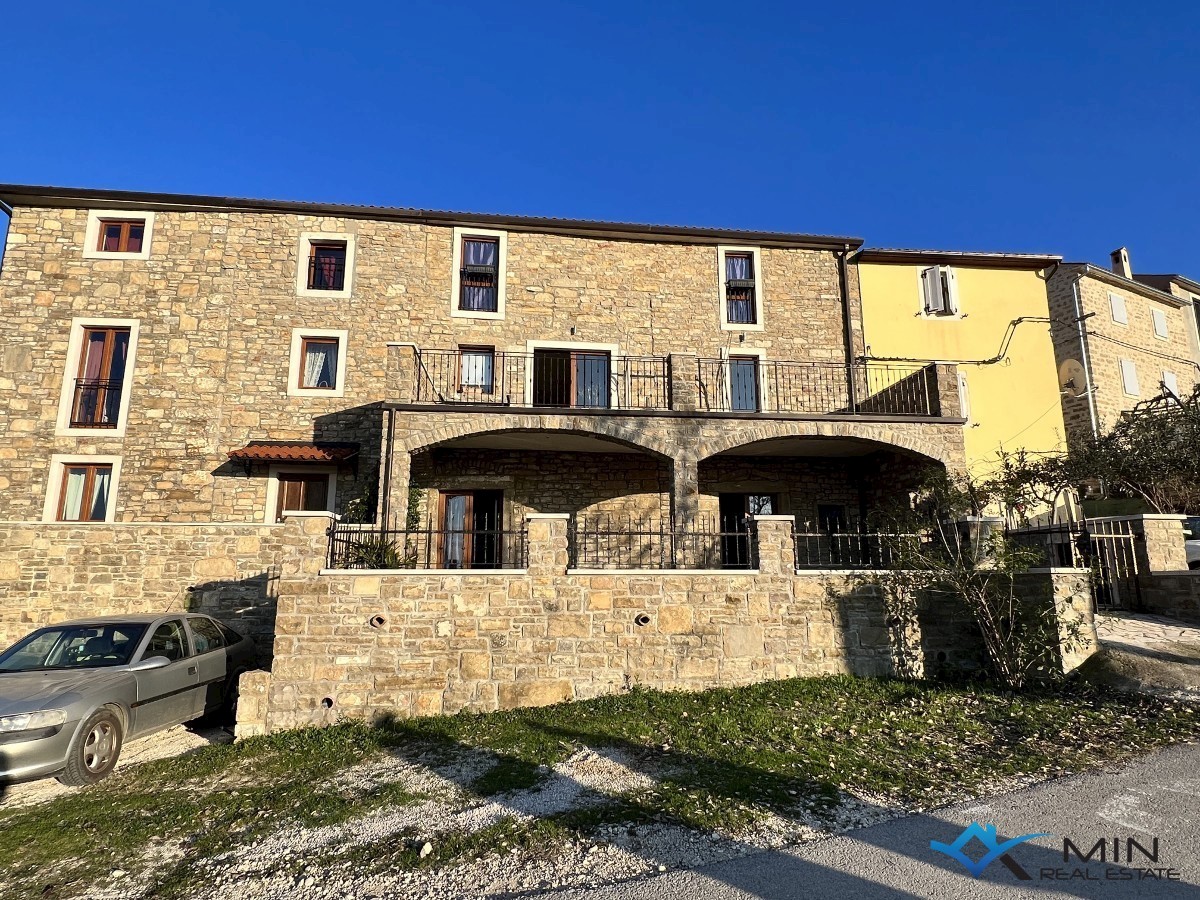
x=73 y=647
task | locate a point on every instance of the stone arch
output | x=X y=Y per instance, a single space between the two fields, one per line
x=886 y=435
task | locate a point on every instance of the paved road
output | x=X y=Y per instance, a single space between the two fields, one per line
x=1159 y=795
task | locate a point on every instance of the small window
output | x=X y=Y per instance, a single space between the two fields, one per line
x=939 y=291
x=479 y=276
x=1170 y=382
x=319 y=363
x=1129 y=378
x=85 y=492
x=302 y=492
x=100 y=378
x=739 y=289
x=327 y=266
x=168 y=640
x=1116 y=304
x=206 y=634
x=476 y=370
x=1160 y=323
x=121 y=235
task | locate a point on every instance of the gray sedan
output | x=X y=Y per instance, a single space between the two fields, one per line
x=72 y=694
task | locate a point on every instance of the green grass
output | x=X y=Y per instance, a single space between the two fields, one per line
x=721 y=757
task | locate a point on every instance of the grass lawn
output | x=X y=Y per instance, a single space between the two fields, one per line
x=720 y=759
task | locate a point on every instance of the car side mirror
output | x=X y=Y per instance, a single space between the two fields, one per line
x=150 y=662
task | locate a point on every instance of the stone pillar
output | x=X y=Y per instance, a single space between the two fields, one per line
x=685 y=491
x=397 y=488
x=1159 y=545
x=776 y=545
x=402 y=371
x=685 y=388
x=943 y=385
x=547 y=543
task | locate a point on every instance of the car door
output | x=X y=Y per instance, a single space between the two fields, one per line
x=211 y=659
x=167 y=695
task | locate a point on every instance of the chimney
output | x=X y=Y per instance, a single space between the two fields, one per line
x=1120 y=263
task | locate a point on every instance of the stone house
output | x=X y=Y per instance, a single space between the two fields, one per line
x=422 y=455
x=1119 y=339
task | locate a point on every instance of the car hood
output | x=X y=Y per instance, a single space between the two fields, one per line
x=22 y=692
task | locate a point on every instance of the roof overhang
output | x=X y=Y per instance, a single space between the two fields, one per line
x=1028 y=261
x=88 y=198
x=1112 y=278
x=323 y=452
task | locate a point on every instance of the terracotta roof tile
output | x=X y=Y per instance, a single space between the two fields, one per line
x=294 y=451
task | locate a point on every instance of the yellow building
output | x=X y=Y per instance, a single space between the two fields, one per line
x=986 y=312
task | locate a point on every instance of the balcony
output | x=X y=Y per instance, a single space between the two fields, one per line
x=588 y=381
x=96 y=404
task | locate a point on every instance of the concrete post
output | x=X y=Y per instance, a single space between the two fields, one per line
x=776 y=545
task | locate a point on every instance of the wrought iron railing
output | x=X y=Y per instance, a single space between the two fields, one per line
x=97 y=404
x=851 y=549
x=749 y=384
x=372 y=547
x=605 y=543
x=326 y=274
x=582 y=380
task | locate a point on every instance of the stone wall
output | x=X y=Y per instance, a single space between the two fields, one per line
x=54 y=572
x=412 y=643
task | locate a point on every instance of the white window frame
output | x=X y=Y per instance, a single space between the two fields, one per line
x=58 y=462
x=296 y=361
x=501 y=238
x=760 y=289
x=91 y=234
x=1117 y=302
x=727 y=388
x=1159 y=317
x=66 y=397
x=951 y=306
x=304 y=252
x=1128 y=372
x=273 y=473
x=964 y=396
x=1171 y=381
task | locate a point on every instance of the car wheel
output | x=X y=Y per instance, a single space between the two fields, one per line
x=95 y=749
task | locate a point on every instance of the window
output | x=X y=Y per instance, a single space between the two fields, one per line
x=117 y=233
x=472 y=529
x=301 y=492
x=327 y=266
x=168 y=640
x=939 y=291
x=100 y=378
x=1160 y=323
x=476 y=370
x=1129 y=378
x=743 y=384
x=477 y=281
x=206 y=634
x=1116 y=305
x=318 y=363
x=85 y=493
x=97 y=376
x=579 y=378
x=1170 y=382
x=740 y=278
x=320 y=356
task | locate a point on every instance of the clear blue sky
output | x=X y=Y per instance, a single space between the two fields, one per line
x=1064 y=127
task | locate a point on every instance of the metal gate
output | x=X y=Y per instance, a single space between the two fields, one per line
x=1106 y=546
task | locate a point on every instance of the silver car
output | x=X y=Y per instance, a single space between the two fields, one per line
x=72 y=694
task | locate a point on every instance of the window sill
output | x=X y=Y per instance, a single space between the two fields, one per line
x=316 y=392
x=729 y=326
x=319 y=292
x=477 y=314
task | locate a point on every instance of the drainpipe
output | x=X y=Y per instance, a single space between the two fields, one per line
x=847 y=330
x=385 y=506
x=1086 y=360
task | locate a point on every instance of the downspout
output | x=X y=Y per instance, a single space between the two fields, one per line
x=847 y=330
x=385 y=501
x=1086 y=360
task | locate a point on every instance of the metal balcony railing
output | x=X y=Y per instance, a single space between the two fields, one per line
x=326 y=274
x=606 y=543
x=563 y=379
x=97 y=404
x=372 y=547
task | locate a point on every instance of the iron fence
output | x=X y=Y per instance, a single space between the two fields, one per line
x=1106 y=546
x=852 y=549
x=373 y=547
x=612 y=544
x=750 y=384
x=97 y=404
x=552 y=378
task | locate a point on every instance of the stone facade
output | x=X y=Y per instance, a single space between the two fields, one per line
x=1107 y=342
x=375 y=643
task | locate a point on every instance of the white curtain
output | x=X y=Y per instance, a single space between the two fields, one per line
x=99 y=503
x=320 y=366
x=73 y=495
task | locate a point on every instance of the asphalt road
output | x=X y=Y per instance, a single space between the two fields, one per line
x=1156 y=796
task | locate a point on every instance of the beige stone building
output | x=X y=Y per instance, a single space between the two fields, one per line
x=1119 y=339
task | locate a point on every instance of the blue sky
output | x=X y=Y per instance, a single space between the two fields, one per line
x=1065 y=127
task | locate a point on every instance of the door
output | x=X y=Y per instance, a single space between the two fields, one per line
x=211 y=661
x=472 y=530
x=743 y=384
x=735 y=526
x=169 y=695
x=578 y=378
